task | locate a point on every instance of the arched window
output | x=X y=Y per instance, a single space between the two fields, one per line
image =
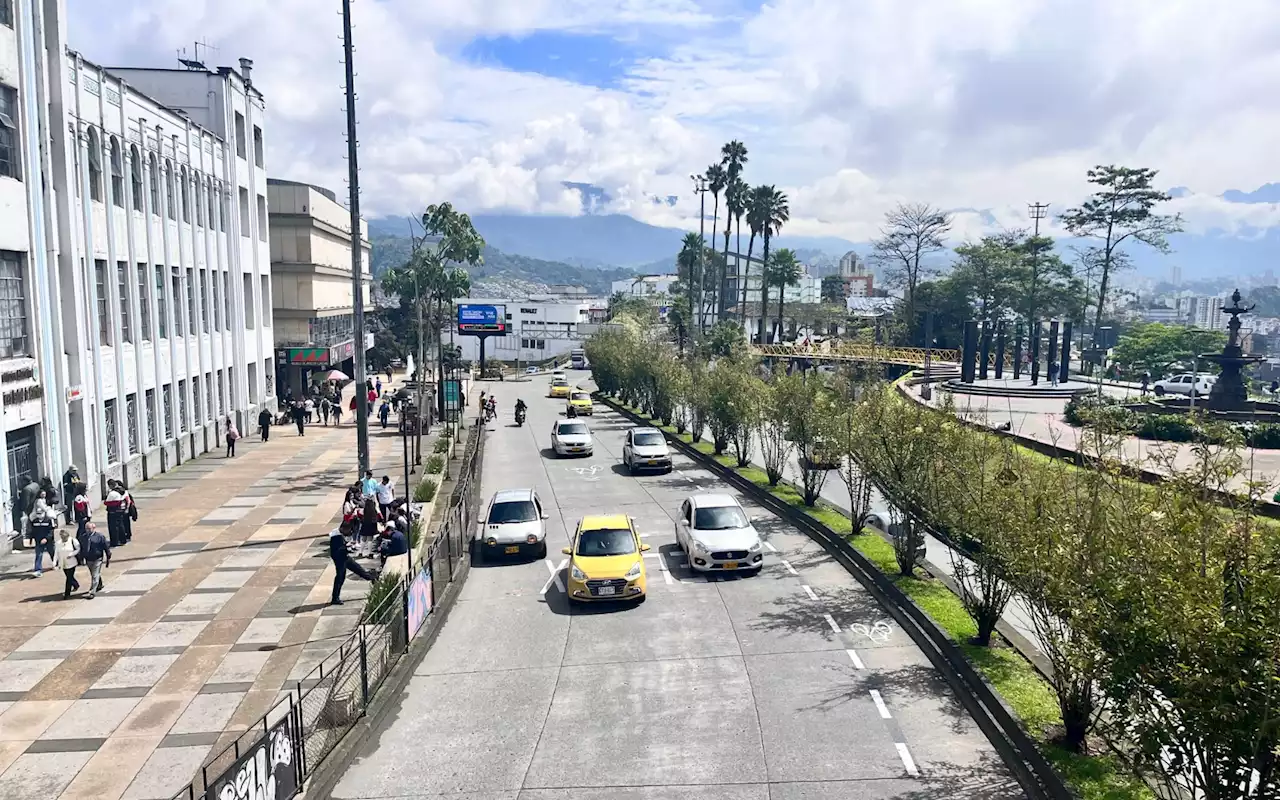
x=182 y=188
x=135 y=174
x=95 y=166
x=155 y=184
x=117 y=173
x=169 y=192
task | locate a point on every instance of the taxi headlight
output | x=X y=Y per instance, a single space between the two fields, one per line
x=577 y=574
x=634 y=572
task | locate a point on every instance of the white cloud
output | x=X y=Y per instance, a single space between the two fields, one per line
x=850 y=106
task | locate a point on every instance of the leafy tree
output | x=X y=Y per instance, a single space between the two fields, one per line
x=725 y=340
x=854 y=384
x=637 y=307
x=1155 y=347
x=948 y=301
x=833 y=289
x=986 y=272
x=775 y=447
x=808 y=426
x=1121 y=208
x=771 y=211
x=783 y=270
x=1043 y=284
x=911 y=234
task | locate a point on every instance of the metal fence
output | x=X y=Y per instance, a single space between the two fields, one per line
x=272 y=759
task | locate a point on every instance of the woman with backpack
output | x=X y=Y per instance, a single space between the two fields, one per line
x=232 y=436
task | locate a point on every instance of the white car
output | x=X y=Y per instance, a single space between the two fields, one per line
x=646 y=448
x=514 y=525
x=718 y=535
x=571 y=437
x=558 y=375
x=1185 y=384
x=531 y=370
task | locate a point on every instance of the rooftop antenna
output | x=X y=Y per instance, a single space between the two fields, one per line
x=195 y=62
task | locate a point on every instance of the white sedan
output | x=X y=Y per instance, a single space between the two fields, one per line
x=569 y=437
x=718 y=535
x=1185 y=384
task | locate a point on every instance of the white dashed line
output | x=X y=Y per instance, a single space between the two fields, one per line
x=809 y=591
x=857 y=662
x=772 y=549
x=880 y=706
x=555 y=576
x=907 y=761
x=790 y=568
x=832 y=622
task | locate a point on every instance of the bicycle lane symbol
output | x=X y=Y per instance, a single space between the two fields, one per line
x=877 y=632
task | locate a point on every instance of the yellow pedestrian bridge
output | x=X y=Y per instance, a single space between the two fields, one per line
x=830 y=350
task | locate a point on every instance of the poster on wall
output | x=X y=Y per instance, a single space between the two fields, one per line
x=419 y=600
x=267 y=771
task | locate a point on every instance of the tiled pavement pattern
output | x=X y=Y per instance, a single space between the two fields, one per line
x=217 y=604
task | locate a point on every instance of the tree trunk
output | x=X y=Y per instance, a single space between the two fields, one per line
x=717 y=301
x=782 y=303
x=746 y=276
x=764 y=287
x=742 y=312
x=422 y=383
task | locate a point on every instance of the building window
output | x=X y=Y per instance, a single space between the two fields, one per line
x=175 y=284
x=135 y=175
x=104 y=303
x=197 y=194
x=216 y=286
x=224 y=210
x=240 y=134
x=204 y=299
x=266 y=300
x=226 y=298
x=212 y=404
x=262 y=218
x=144 y=304
x=211 y=207
x=221 y=392
x=191 y=302
x=113 y=445
x=13 y=306
x=10 y=161
x=122 y=290
x=196 y=400
x=151 y=417
x=257 y=145
x=162 y=309
x=95 y=166
x=182 y=190
x=244 y=212
x=117 y=174
x=168 y=409
x=154 y=169
x=131 y=422
x=250 y=320
x=268 y=377
x=172 y=201
x=183 y=420
x=6 y=13
x=253 y=382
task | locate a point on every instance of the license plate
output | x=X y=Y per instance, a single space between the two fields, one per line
x=731 y=565
x=605 y=591
x=653 y=461
x=515 y=548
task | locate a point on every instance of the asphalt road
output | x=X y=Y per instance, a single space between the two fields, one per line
x=793 y=684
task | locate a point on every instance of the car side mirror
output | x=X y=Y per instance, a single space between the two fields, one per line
x=645 y=547
x=568 y=551
x=754 y=520
x=545 y=515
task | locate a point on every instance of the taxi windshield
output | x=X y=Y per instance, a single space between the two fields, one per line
x=606 y=542
x=581 y=396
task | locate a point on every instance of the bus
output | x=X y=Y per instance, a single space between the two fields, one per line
x=578 y=359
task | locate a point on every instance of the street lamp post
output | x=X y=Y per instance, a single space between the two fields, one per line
x=357 y=255
x=700 y=188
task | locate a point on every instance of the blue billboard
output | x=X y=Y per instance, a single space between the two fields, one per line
x=482 y=319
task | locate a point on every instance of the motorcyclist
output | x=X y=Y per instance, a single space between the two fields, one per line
x=493 y=407
x=521 y=408
x=572 y=412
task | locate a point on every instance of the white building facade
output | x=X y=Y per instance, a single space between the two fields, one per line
x=645 y=286
x=538 y=328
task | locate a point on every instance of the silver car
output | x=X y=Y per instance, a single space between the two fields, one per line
x=571 y=437
x=514 y=525
x=646 y=448
x=718 y=535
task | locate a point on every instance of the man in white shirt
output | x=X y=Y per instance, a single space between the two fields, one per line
x=386 y=495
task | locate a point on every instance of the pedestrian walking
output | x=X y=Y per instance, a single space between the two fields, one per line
x=355 y=398
x=388 y=375
x=97 y=554
x=264 y=424
x=80 y=507
x=384 y=413
x=324 y=410
x=1053 y=374
x=1146 y=383
x=233 y=435
x=335 y=410
x=130 y=513
x=378 y=386
x=386 y=494
x=372 y=397
x=70 y=488
x=66 y=555
x=342 y=563
x=309 y=408
x=300 y=418
x=117 y=513
x=42 y=532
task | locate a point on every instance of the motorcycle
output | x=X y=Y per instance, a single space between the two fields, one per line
x=519 y=417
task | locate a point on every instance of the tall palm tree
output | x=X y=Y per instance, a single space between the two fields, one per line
x=740 y=190
x=717 y=179
x=735 y=196
x=733 y=155
x=784 y=270
x=687 y=261
x=772 y=212
x=755 y=224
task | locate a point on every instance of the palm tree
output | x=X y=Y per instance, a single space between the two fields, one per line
x=717 y=179
x=740 y=190
x=772 y=211
x=754 y=224
x=735 y=195
x=784 y=270
x=687 y=261
x=733 y=155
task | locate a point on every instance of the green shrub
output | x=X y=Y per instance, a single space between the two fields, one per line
x=415 y=529
x=1265 y=436
x=379 y=607
x=425 y=491
x=1081 y=409
x=435 y=464
x=1168 y=428
x=442 y=444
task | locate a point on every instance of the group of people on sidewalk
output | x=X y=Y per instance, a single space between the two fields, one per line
x=374 y=523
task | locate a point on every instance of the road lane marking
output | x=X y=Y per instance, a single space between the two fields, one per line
x=651 y=555
x=880 y=706
x=857 y=662
x=772 y=549
x=555 y=576
x=907 y=761
x=832 y=622
x=809 y=591
x=790 y=568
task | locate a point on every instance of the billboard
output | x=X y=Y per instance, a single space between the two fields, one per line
x=490 y=320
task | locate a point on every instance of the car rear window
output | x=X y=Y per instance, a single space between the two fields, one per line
x=721 y=518
x=647 y=439
x=513 y=512
x=606 y=542
x=573 y=429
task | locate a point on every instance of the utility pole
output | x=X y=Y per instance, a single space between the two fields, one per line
x=357 y=253
x=700 y=188
x=1037 y=211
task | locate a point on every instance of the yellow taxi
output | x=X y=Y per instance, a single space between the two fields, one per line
x=560 y=387
x=580 y=402
x=606 y=560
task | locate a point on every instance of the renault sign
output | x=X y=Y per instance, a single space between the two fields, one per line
x=488 y=320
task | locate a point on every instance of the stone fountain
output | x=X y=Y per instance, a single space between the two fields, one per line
x=1229 y=392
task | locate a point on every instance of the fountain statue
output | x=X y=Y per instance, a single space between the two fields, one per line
x=1229 y=392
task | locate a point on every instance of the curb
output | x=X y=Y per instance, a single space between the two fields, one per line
x=1006 y=734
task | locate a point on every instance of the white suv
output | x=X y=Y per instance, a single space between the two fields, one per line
x=646 y=448
x=571 y=437
x=718 y=535
x=514 y=525
x=1186 y=384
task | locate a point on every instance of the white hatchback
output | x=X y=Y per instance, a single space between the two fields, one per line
x=570 y=437
x=514 y=525
x=645 y=448
x=718 y=535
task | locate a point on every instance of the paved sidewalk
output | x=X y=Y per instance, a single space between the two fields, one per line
x=218 y=603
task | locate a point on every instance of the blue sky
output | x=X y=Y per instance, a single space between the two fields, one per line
x=591 y=59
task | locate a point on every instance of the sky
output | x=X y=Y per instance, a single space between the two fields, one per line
x=849 y=106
